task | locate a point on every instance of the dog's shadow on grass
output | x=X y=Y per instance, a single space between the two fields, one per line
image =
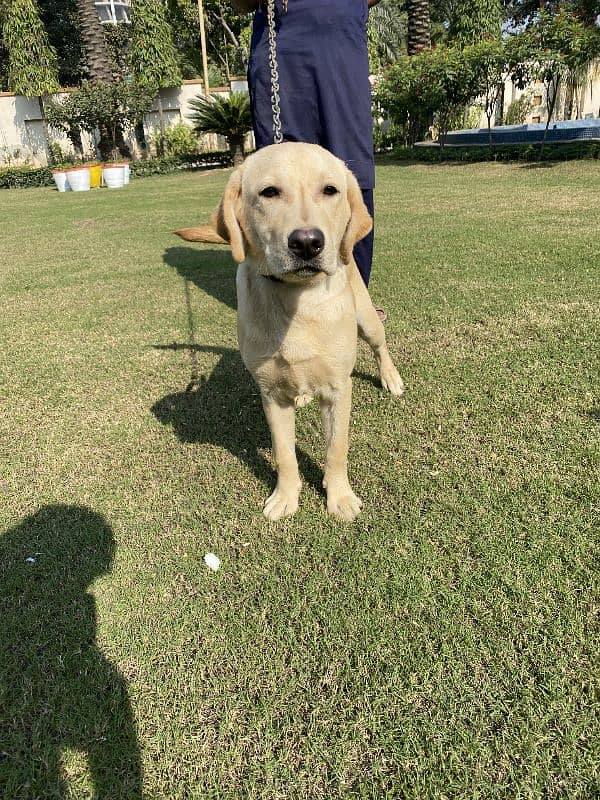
x=212 y=271
x=221 y=407
x=58 y=691
x=224 y=408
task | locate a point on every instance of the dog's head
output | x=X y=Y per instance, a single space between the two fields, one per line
x=294 y=210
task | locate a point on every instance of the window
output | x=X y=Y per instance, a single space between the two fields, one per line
x=113 y=11
x=536 y=119
x=537 y=99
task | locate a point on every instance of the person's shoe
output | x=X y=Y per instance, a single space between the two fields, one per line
x=381 y=314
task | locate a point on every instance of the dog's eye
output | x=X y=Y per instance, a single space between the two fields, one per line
x=269 y=191
x=329 y=189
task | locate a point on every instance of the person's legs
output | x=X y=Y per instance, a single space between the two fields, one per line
x=363 y=250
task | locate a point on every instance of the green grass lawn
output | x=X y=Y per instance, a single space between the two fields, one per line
x=446 y=645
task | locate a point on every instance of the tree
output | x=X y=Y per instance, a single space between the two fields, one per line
x=227 y=116
x=419 y=26
x=434 y=84
x=387 y=34
x=60 y=18
x=554 y=50
x=153 y=55
x=470 y=21
x=227 y=33
x=32 y=68
x=525 y=12
x=110 y=107
x=488 y=65
x=94 y=45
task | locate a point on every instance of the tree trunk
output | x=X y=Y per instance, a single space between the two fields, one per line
x=236 y=148
x=500 y=110
x=46 y=130
x=94 y=45
x=74 y=135
x=419 y=26
x=553 y=86
x=161 y=124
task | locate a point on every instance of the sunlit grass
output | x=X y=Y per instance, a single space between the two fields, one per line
x=444 y=645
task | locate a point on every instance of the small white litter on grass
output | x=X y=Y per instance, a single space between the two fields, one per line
x=212 y=561
x=30 y=560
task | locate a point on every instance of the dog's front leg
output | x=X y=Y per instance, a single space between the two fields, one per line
x=284 y=500
x=371 y=330
x=335 y=410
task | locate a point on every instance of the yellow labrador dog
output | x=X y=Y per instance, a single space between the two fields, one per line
x=292 y=214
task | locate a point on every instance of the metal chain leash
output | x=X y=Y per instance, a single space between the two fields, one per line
x=275 y=107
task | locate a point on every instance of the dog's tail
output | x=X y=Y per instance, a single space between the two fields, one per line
x=203 y=233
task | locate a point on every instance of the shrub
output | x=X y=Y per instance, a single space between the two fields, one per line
x=178 y=140
x=22 y=177
x=518 y=111
x=188 y=161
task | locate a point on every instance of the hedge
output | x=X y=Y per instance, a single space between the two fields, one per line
x=509 y=152
x=191 y=161
x=22 y=177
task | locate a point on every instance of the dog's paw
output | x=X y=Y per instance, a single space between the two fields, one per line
x=391 y=380
x=282 y=503
x=345 y=505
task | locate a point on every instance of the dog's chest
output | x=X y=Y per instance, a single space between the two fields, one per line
x=298 y=367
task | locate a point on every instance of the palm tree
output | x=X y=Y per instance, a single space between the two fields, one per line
x=227 y=116
x=388 y=27
x=419 y=26
x=99 y=70
x=94 y=45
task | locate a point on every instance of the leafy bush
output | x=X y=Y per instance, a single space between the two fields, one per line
x=177 y=140
x=111 y=108
x=23 y=177
x=518 y=111
x=188 y=161
x=60 y=156
x=432 y=84
x=519 y=152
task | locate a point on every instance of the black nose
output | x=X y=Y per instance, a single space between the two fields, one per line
x=306 y=243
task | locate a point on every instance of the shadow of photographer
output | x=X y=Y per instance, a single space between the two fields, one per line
x=57 y=689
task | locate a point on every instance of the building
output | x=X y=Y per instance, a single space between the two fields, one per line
x=113 y=11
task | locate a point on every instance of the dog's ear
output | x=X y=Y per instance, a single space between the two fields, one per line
x=227 y=218
x=360 y=222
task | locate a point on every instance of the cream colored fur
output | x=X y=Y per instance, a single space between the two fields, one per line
x=297 y=329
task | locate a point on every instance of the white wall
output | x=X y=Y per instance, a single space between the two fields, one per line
x=22 y=138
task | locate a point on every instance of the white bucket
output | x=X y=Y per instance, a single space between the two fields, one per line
x=113 y=176
x=60 y=179
x=79 y=179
